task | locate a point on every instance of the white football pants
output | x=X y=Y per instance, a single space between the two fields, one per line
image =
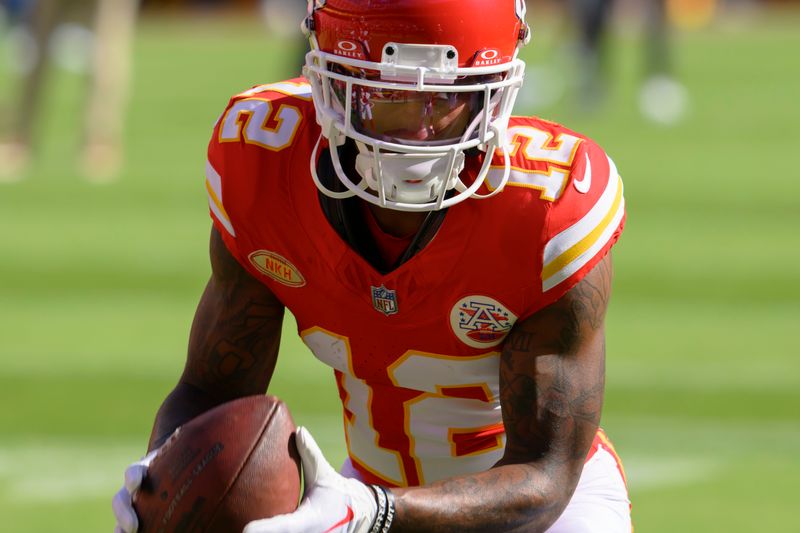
x=600 y=503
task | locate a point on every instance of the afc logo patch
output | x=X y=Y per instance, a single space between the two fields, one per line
x=480 y=321
x=384 y=300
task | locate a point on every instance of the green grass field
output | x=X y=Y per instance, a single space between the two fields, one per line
x=98 y=284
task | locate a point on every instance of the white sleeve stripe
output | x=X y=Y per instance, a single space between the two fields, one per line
x=214 y=179
x=580 y=247
x=580 y=261
x=214 y=190
x=574 y=247
x=578 y=231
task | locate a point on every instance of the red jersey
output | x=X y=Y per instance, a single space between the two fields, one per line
x=416 y=350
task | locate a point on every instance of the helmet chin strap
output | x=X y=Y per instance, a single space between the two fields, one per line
x=409 y=178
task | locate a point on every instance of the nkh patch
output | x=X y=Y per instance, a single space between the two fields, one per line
x=277 y=267
x=480 y=321
x=384 y=300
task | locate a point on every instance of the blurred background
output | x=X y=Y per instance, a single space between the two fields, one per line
x=105 y=112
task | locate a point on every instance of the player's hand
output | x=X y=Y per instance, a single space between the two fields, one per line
x=331 y=503
x=127 y=521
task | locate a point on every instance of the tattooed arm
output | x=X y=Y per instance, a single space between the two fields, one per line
x=233 y=344
x=551 y=392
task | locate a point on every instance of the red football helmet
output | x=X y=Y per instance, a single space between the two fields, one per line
x=414 y=83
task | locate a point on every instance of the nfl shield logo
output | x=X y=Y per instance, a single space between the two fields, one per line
x=384 y=300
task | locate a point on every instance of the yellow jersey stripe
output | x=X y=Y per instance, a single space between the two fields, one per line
x=584 y=244
x=587 y=256
x=575 y=246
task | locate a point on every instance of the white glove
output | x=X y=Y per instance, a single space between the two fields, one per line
x=127 y=522
x=332 y=503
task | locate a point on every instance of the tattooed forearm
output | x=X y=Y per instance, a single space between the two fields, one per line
x=508 y=498
x=233 y=345
x=551 y=404
x=552 y=371
x=235 y=336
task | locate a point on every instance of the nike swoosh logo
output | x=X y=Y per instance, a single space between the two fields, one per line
x=348 y=517
x=585 y=183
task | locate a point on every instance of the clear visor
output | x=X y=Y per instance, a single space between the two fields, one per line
x=408 y=116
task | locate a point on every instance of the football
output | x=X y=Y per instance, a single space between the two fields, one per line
x=233 y=464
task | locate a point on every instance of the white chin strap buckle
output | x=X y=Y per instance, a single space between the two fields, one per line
x=409 y=178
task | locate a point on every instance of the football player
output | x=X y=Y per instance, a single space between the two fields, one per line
x=451 y=265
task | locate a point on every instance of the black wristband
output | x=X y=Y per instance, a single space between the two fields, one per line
x=380 y=517
x=387 y=524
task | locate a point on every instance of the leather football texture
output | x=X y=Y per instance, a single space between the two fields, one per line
x=232 y=464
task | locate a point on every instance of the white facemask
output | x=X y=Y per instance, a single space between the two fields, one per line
x=406 y=174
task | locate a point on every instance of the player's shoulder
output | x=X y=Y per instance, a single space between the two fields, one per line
x=267 y=120
x=263 y=135
x=568 y=189
x=296 y=91
x=554 y=163
x=581 y=191
x=535 y=139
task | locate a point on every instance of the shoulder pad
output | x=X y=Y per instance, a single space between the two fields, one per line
x=264 y=127
x=543 y=155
